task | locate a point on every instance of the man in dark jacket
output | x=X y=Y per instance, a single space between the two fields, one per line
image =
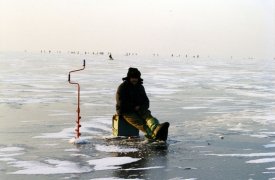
x=133 y=106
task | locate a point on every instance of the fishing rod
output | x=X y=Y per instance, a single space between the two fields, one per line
x=77 y=130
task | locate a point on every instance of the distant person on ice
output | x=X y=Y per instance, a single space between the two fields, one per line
x=133 y=106
x=110 y=57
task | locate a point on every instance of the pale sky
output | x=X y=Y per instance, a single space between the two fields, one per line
x=207 y=27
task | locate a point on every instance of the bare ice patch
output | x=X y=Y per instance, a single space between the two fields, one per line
x=263 y=160
x=80 y=155
x=111 y=162
x=11 y=149
x=177 y=178
x=10 y=152
x=79 y=140
x=271 y=168
x=267 y=117
x=269 y=145
x=7 y=159
x=239 y=127
x=269 y=157
x=72 y=150
x=113 y=148
x=269 y=134
x=259 y=136
x=244 y=155
x=62 y=114
x=194 y=107
x=50 y=144
x=90 y=127
x=50 y=166
x=111 y=178
x=64 y=134
x=145 y=168
x=161 y=91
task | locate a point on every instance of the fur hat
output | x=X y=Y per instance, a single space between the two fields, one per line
x=133 y=73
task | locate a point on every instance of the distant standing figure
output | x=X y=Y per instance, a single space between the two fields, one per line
x=110 y=57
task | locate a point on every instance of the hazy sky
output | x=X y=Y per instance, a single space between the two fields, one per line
x=206 y=27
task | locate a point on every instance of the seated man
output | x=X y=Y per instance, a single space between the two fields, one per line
x=133 y=106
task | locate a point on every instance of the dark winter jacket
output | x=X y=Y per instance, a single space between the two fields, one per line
x=129 y=96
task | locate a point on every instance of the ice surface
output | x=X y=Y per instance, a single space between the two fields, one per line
x=78 y=141
x=80 y=155
x=112 y=178
x=64 y=134
x=50 y=166
x=245 y=155
x=263 y=160
x=194 y=107
x=202 y=98
x=161 y=91
x=94 y=127
x=72 y=150
x=51 y=144
x=269 y=145
x=111 y=162
x=259 y=135
x=7 y=159
x=10 y=155
x=113 y=148
x=240 y=128
x=181 y=178
x=145 y=168
x=11 y=149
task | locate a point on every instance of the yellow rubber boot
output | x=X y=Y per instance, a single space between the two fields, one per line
x=151 y=125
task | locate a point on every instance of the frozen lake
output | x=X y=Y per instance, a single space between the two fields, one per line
x=221 y=114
